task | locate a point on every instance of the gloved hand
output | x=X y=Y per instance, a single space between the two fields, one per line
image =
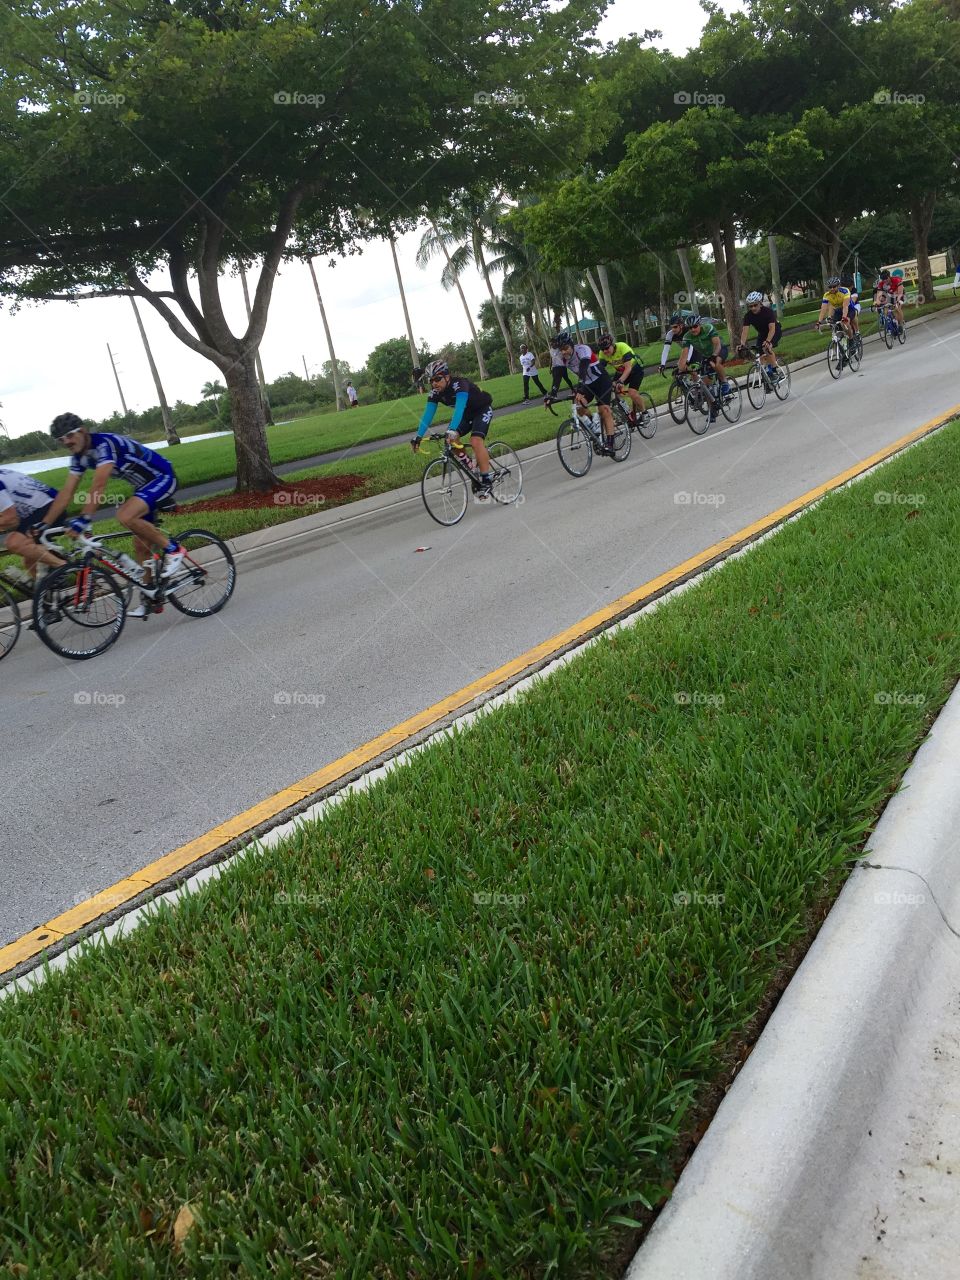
x=79 y=524
x=415 y=444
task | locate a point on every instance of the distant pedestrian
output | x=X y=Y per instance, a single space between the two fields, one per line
x=352 y=396
x=528 y=366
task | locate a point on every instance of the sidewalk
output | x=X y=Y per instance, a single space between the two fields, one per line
x=836 y=1152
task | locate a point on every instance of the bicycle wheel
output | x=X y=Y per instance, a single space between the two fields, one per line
x=855 y=354
x=835 y=359
x=697 y=411
x=887 y=335
x=79 y=611
x=622 y=440
x=444 y=491
x=731 y=404
x=9 y=621
x=902 y=334
x=206 y=580
x=782 y=386
x=677 y=402
x=646 y=416
x=756 y=387
x=506 y=472
x=574 y=447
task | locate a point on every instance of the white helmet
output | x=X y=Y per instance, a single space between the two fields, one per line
x=754 y=297
x=435 y=368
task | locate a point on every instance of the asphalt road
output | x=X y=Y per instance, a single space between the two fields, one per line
x=113 y=762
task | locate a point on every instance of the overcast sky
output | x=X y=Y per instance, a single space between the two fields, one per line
x=53 y=357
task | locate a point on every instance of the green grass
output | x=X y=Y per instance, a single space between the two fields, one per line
x=461 y=1026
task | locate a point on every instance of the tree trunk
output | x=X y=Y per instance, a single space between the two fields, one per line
x=733 y=270
x=595 y=289
x=268 y=415
x=403 y=298
x=338 y=395
x=722 y=278
x=505 y=332
x=921 y=219
x=663 y=315
x=249 y=426
x=684 y=257
x=603 y=276
x=775 y=275
x=168 y=428
x=473 y=332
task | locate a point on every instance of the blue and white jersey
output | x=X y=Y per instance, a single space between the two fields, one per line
x=23 y=492
x=132 y=461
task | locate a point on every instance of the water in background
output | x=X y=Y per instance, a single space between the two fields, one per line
x=48 y=464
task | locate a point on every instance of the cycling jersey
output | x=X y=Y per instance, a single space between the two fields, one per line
x=702 y=342
x=761 y=320
x=26 y=495
x=132 y=461
x=618 y=357
x=581 y=358
x=466 y=398
x=836 y=297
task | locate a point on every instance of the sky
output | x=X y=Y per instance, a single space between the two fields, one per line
x=53 y=356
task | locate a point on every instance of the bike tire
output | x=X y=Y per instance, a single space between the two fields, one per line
x=646 y=416
x=622 y=440
x=697 y=411
x=89 y=601
x=731 y=405
x=574 y=447
x=507 y=473
x=855 y=356
x=677 y=403
x=887 y=336
x=902 y=334
x=9 y=621
x=781 y=388
x=756 y=387
x=208 y=577
x=444 y=491
x=834 y=358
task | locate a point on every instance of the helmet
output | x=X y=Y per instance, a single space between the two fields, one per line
x=435 y=369
x=64 y=423
x=884 y=275
x=604 y=341
x=833 y=282
x=564 y=339
x=677 y=318
x=754 y=297
x=691 y=322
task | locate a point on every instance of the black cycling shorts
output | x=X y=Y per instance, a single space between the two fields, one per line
x=478 y=425
x=777 y=335
x=600 y=389
x=636 y=376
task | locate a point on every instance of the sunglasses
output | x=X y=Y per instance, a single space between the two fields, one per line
x=438 y=377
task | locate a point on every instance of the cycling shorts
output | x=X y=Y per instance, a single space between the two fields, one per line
x=478 y=425
x=37 y=516
x=154 y=492
x=600 y=389
x=777 y=335
x=636 y=376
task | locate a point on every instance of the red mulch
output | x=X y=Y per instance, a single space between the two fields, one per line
x=305 y=496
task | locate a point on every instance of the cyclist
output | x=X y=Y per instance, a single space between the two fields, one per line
x=769 y=332
x=558 y=369
x=704 y=342
x=837 y=298
x=148 y=472
x=595 y=383
x=472 y=411
x=847 y=281
x=674 y=333
x=619 y=357
x=24 y=503
x=889 y=289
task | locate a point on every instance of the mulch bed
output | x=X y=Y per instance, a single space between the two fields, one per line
x=305 y=496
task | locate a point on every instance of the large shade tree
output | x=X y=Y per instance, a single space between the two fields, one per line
x=190 y=138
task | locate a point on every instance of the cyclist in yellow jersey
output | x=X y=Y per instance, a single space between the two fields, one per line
x=623 y=366
x=838 y=299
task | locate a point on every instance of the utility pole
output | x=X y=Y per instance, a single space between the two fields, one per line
x=305 y=373
x=113 y=366
x=326 y=329
x=168 y=428
x=263 y=386
x=775 y=274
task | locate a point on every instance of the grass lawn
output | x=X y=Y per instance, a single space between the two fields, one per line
x=466 y=1024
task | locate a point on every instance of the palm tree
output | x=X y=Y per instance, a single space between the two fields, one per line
x=403 y=298
x=212 y=391
x=433 y=242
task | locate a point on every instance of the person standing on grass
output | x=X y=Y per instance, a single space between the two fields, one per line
x=528 y=366
x=352 y=395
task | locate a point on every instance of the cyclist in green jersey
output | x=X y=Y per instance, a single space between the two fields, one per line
x=704 y=340
x=625 y=369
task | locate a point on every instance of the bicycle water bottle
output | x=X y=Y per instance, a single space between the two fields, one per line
x=131 y=566
x=462 y=454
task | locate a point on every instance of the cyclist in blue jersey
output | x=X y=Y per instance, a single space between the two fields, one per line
x=24 y=503
x=472 y=412
x=148 y=472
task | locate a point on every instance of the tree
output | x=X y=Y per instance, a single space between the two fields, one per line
x=388 y=369
x=433 y=242
x=213 y=391
x=196 y=137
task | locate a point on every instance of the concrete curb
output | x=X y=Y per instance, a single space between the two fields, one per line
x=788 y=1154
x=383 y=503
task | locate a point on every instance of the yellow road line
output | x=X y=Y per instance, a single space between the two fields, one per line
x=125 y=890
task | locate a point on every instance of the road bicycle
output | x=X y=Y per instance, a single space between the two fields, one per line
x=450 y=479
x=10 y=621
x=646 y=416
x=581 y=435
x=888 y=326
x=80 y=609
x=843 y=352
x=704 y=395
x=762 y=378
x=677 y=396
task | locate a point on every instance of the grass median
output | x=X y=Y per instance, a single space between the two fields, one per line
x=467 y=1023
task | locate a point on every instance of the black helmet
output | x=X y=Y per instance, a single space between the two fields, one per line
x=605 y=340
x=64 y=423
x=676 y=319
x=564 y=339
